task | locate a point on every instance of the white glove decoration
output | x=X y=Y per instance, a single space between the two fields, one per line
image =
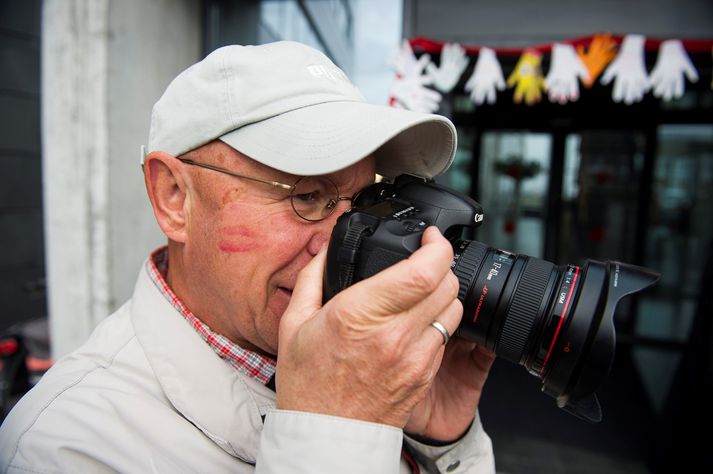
x=487 y=77
x=628 y=68
x=411 y=93
x=566 y=69
x=667 y=76
x=405 y=64
x=453 y=63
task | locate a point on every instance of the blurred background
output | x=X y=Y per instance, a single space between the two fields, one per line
x=589 y=179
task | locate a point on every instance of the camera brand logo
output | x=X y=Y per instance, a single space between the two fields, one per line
x=479 y=218
x=408 y=210
x=483 y=294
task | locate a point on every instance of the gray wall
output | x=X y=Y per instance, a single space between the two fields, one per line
x=520 y=23
x=104 y=65
x=150 y=42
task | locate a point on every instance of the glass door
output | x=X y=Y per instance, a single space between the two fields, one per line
x=512 y=187
x=600 y=195
x=679 y=243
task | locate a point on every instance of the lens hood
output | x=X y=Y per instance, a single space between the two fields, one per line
x=585 y=353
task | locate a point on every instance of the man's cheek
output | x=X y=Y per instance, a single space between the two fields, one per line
x=238 y=239
x=239 y=228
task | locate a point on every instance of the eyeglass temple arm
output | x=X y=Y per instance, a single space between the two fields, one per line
x=233 y=173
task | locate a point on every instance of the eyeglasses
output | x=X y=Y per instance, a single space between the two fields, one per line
x=313 y=198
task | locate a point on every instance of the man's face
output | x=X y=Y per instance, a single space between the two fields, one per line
x=245 y=245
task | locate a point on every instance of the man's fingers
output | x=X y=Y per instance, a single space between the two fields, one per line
x=307 y=295
x=449 y=319
x=402 y=286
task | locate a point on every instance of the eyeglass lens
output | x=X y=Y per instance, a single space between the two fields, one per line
x=314 y=198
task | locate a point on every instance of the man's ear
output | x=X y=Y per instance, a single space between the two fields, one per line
x=167 y=190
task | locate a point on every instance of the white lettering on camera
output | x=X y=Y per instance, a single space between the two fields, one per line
x=404 y=211
x=494 y=271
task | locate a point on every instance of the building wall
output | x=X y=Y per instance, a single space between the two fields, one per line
x=520 y=23
x=324 y=24
x=150 y=42
x=104 y=65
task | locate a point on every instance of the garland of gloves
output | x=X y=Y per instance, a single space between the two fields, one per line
x=419 y=83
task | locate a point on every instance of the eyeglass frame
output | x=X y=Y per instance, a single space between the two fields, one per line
x=331 y=204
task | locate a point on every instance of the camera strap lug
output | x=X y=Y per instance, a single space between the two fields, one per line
x=348 y=253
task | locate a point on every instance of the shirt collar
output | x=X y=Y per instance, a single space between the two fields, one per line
x=249 y=363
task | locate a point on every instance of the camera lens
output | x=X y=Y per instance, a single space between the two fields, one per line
x=507 y=298
x=557 y=321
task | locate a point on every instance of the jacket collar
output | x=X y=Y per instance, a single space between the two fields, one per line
x=225 y=405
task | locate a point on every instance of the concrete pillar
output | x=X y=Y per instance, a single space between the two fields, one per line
x=104 y=64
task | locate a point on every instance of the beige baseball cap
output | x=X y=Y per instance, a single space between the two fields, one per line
x=289 y=107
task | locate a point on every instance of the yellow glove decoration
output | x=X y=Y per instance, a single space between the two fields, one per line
x=528 y=77
x=602 y=50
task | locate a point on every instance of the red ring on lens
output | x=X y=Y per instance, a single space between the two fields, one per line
x=562 y=318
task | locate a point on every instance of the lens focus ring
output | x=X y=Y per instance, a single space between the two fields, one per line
x=522 y=314
x=468 y=266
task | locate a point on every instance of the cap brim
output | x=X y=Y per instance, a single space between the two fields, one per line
x=328 y=137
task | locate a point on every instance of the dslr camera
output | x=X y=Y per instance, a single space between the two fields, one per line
x=556 y=321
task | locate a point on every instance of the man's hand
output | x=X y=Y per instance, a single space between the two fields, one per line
x=449 y=407
x=371 y=353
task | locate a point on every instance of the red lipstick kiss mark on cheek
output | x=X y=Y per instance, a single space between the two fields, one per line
x=234 y=230
x=237 y=247
x=237 y=239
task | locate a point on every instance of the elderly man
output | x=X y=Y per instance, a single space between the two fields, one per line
x=225 y=359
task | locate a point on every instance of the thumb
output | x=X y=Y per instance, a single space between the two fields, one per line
x=307 y=295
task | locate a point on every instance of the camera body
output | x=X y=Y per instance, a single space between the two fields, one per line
x=385 y=226
x=556 y=321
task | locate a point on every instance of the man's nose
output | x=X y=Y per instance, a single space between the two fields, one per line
x=323 y=228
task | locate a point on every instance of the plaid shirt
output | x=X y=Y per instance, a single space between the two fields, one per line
x=251 y=364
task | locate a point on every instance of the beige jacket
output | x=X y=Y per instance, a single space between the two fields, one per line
x=147 y=394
